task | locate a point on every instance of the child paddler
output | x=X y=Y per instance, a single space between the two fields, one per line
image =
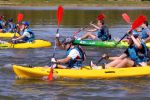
x=101 y=29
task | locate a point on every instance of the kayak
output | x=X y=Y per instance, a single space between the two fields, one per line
x=103 y=44
x=8 y=35
x=86 y=72
x=34 y=44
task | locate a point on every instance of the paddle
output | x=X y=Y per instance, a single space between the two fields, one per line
x=59 y=19
x=135 y=24
x=19 y=19
x=126 y=18
x=99 y=17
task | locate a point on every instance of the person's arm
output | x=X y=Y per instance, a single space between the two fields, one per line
x=91 y=30
x=98 y=28
x=59 y=44
x=64 y=60
x=136 y=42
x=21 y=37
x=148 y=33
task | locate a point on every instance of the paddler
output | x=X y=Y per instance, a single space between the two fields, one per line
x=74 y=54
x=145 y=32
x=27 y=35
x=101 y=29
x=134 y=55
x=10 y=27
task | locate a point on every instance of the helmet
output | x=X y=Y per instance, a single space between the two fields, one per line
x=10 y=19
x=25 y=23
x=68 y=40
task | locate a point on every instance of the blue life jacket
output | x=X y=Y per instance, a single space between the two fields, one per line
x=77 y=62
x=144 y=34
x=27 y=39
x=136 y=55
x=103 y=34
x=11 y=27
x=1 y=24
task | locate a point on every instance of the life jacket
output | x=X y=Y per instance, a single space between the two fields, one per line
x=77 y=62
x=1 y=26
x=29 y=39
x=11 y=27
x=104 y=34
x=136 y=55
x=144 y=34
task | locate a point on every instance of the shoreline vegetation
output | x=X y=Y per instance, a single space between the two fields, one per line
x=76 y=3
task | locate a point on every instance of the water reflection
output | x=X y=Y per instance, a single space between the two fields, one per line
x=73 y=18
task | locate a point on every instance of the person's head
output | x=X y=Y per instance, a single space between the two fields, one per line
x=145 y=24
x=135 y=34
x=100 y=22
x=10 y=20
x=67 y=42
x=25 y=24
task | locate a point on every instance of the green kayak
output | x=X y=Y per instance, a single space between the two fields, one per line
x=103 y=44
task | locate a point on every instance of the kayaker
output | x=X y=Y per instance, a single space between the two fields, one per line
x=74 y=55
x=101 y=29
x=26 y=34
x=145 y=32
x=135 y=54
x=10 y=26
x=2 y=23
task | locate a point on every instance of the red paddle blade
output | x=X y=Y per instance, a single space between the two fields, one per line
x=126 y=17
x=138 y=22
x=50 y=76
x=59 y=14
x=20 y=17
x=100 y=17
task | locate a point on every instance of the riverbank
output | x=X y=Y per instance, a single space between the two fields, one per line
x=76 y=3
x=71 y=8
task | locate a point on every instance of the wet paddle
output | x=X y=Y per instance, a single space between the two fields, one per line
x=99 y=17
x=135 y=24
x=59 y=19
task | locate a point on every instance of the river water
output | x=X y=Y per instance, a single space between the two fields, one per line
x=44 y=24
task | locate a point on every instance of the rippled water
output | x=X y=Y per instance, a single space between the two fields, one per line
x=44 y=25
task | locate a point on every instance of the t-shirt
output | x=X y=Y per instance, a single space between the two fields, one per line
x=27 y=34
x=74 y=54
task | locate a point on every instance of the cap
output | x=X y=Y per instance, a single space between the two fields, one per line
x=25 y=23
x=68 y=40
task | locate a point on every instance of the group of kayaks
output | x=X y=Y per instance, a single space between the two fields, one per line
x=85 y=72
x=34 y=44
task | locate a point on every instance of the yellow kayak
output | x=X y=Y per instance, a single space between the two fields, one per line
x=8 y=35
x=34 y=44
x=86 y=72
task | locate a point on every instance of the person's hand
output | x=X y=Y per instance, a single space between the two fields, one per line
x=91 y=23
x=105 y=56
x=129 y=33
x=53 y=60
x=57 y=35
x=13 y=39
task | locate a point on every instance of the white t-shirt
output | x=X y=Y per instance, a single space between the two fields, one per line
x=74 y=53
